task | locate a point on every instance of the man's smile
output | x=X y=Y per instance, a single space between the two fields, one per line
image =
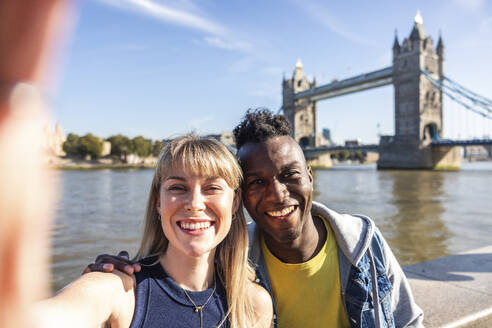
x=281 y=213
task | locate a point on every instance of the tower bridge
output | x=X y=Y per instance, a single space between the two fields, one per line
x=417 y=75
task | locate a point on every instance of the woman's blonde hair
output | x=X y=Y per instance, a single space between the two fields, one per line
x=209 y=157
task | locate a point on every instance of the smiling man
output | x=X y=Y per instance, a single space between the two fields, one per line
x=323 y=269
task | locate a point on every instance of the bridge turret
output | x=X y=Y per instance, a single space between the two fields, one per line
x=418 y=104
x=301 y=113
x=440 y=54
x=418 y=32
x=396 y=45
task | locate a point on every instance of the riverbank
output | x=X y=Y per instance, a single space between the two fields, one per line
x=456 y=290
x=89 y=167
x=99 y=164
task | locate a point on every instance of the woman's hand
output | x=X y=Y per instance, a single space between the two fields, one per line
x=108 y=263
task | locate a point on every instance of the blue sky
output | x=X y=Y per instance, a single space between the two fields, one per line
x=160 y=68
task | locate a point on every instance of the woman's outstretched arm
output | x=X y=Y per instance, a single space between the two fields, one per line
x=92 y=300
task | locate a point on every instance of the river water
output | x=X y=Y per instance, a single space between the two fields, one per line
x=422 y=214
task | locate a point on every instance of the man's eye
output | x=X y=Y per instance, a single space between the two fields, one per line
x=255 y=182
x=290 y=174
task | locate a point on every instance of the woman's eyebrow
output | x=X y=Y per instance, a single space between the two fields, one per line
x=174 y=177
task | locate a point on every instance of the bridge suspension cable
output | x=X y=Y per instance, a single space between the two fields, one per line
x=455 y=91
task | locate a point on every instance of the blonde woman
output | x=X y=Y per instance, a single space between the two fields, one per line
x=193 y=254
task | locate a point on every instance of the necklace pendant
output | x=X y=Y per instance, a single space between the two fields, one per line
x=197 y=308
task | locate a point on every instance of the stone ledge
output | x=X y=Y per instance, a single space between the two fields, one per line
x=455 y=291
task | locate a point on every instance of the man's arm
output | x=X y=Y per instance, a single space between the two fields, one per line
x=405 y=311
x=108 y=263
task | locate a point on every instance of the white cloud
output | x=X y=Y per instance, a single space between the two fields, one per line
x=486 y=25
x=480 y=38
x=470 y=4
x=221 y=43
x=169 y=15
x=324 y=17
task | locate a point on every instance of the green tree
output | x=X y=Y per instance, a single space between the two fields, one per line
x=120 y=146
x=71 y=145
x=141 y=146
x=90 y=145
x=360 y=156
x=156 y=147
x=343 y=155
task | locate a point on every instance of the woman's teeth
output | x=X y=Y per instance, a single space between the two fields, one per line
x=284 y=212
x=195 y=226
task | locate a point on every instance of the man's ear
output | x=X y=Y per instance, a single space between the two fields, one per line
x=310 y=173
x=237 y=200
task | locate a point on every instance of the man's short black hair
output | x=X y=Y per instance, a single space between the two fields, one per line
x=259 y=125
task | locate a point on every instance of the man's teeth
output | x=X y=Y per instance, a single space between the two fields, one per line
x=284 y=212
x=195 y=226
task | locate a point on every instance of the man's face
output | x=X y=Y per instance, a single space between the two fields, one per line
x=277 y=187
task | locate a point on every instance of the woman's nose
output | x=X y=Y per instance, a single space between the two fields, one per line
x=196 y=201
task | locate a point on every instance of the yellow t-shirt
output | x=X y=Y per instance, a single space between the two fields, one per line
x=315 y=301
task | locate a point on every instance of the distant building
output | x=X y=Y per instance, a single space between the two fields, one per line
x=227 y=138
x=106 y=149
x=327 y=134
x=324 y=138
x=354 y=142
x=52 y=141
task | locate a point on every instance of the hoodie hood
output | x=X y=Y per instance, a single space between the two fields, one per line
x=353 y=233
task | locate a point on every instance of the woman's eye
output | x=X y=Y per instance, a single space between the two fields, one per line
x=214 y=187
x=176 y=188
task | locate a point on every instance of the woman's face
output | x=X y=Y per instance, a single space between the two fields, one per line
x=196 y=211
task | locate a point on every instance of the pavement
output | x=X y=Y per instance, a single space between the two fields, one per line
x=454 y=291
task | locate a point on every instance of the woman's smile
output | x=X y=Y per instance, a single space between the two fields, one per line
x=196 y=227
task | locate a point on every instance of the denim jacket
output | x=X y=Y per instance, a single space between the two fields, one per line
x=368 y=270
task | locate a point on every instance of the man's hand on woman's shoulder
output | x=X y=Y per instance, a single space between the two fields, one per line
x=108 y=263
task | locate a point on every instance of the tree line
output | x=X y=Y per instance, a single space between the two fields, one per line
x=121 y=146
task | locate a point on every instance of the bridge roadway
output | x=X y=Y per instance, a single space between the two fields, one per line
x=472 y=142
x=354 y=84
x=312 y=152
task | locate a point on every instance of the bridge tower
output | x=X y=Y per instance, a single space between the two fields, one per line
x=301 y=113
x=418 y=104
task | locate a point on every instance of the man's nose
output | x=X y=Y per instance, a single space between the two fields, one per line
x=277 y=191
x=196 y=201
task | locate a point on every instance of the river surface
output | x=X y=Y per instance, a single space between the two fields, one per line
x=422 y=214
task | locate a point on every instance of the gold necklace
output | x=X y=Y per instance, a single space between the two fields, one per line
x=199 y=308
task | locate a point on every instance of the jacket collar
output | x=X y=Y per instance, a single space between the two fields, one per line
x=353 y=233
